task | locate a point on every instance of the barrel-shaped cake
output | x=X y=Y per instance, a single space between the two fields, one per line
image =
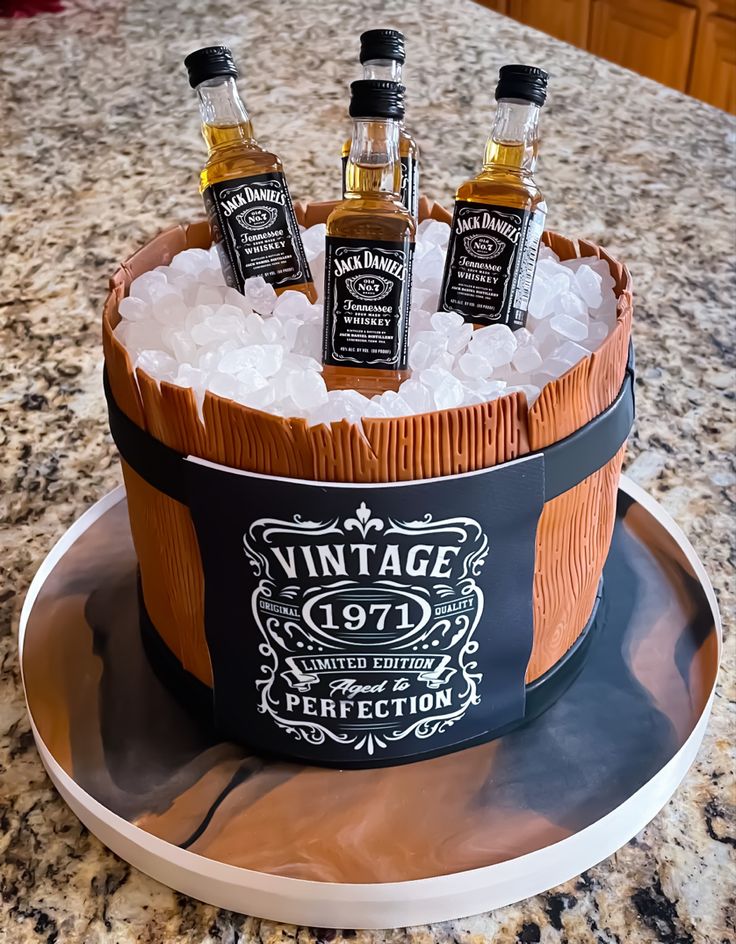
x=492 y=523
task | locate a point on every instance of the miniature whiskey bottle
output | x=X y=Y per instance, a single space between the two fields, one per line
x=499 y=214
x=243 y=186
x=382 y=55
x=370 y=241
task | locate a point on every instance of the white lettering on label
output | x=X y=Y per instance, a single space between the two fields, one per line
x=369 y=260
x=249 y=195
x=486 y=221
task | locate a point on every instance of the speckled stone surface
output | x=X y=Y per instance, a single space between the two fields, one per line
x=101 y=150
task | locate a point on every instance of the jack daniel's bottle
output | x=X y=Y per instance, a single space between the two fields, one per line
x=244 y=188
x=370 y=241
x=382 y=55
x=499 y=215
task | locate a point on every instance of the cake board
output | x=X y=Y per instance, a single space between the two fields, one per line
x=423 y=842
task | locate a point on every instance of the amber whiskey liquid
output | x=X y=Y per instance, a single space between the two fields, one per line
x=243 y=186
x=370 y=242
x=382 y=55
x=499 y=214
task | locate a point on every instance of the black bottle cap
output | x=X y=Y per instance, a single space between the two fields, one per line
x=376 y=98
x=211 y=61
x=525 y=82
x=382 y=44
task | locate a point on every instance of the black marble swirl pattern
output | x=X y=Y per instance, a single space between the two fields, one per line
x=117 y=730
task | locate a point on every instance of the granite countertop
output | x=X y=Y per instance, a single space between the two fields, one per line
x=101 y=150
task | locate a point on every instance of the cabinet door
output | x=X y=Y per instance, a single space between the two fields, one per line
x=500 y=6
x=565 y=19
x=652 y=37
x=714 y=70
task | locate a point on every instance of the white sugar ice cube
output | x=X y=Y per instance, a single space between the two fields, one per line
x=216 y=327
x=597 y=334
x=149 y=286
x=547 y=254
x=196 y=379
x=223 y=385
x=232 y=296
x=158 y=364
x=140 y=336
x=271 y=358
x=419 y=297
x=260 y=399
x=417 y=396
x=589 y=285
x=374 y=410
x=170 y=309
x=292 y=305
x=475 y=365
x=191 y=260
x=342 y=405
x=309 y=340
x=458 y=338
x=231 y=359
x=134 y=309
x=260 y=295
x=606 y=312
x=428 y=268
x=449 y=393
x=182 y=346
x=571 y=353
x=307 y=388
x=568 y=327
x=313 y=240
x=433 y=232
x=571 y=304
x=433 y=377
x=394 y=404
x=526 y=358
x=209 y=356
x=444 y=322
x=250 y=379
x=209 y=295
x=486 y=389
x=495 y=342
x=420 y=320
x=471 y=397
x=291 y=331
x=420 y=355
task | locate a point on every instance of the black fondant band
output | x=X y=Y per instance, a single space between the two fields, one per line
x=148 y=457
x=566 y=463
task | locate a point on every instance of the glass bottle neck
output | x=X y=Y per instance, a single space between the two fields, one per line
x=514 y=139
x=373 y=165
x=225 y=120
x=387 y=69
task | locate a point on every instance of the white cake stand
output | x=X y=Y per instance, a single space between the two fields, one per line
x=424 y=842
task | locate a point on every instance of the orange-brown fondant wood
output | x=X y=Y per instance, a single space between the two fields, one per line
x=574 y=530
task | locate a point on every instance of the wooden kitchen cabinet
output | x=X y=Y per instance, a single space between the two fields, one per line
x=565 y=19
x=652 y=37
x=689 y=45
x=714 y=68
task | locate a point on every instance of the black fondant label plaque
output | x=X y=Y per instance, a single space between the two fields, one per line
x=367 y=624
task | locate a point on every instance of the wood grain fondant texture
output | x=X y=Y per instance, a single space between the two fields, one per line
x=574 y=530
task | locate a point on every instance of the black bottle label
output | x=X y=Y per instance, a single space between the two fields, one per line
x=410 y=184
x=490 y=264
x=367 y=295
x=254 y=227
x=409 y=193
